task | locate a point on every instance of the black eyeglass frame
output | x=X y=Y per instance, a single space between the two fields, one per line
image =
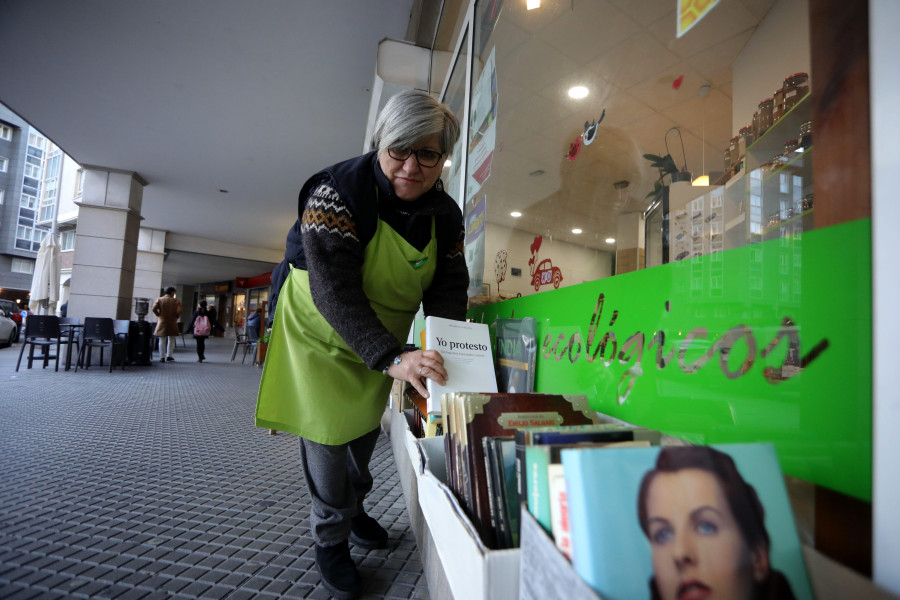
x=392 y=152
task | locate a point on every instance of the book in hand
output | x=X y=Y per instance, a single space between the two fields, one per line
x=466 y=350
x=476 y=416
x=685 y=521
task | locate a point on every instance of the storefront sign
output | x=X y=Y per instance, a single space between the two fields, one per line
x=690 y=12
x=766 y=342
x=253 y=282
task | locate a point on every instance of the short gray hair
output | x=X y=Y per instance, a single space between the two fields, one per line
x=412 y=115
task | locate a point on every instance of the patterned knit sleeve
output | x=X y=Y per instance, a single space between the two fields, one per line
x=446 y=297
x=334 y=257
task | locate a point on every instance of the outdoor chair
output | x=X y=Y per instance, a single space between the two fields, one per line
x=245 y=340
x=252 y=339
x=40 y=331
x=120 y=328
x=97 y=333
x=70 y=334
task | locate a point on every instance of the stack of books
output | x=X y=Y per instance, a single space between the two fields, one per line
x=472 y=425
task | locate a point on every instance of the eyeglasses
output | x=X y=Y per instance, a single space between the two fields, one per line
x=425 y=158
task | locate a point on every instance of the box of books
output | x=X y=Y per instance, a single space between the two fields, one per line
x=472 y=570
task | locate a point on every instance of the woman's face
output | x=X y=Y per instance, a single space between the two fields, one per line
x=408 y=178
x=697 y=546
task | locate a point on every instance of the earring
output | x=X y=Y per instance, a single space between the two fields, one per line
x=439 y=185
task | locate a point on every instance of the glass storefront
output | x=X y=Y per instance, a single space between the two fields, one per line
x=706 y=308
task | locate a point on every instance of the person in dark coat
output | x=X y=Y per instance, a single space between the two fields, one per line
x=201 y=326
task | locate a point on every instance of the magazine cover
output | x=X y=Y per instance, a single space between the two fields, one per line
x=684 y=522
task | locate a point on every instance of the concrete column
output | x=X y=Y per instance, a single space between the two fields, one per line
x=149 y=266
x=629 y=242
x=106 y=243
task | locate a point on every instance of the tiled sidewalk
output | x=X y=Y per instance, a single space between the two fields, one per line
x=154 y=483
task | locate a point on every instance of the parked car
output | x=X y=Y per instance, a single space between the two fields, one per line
x=9 y=329
x=546 y=273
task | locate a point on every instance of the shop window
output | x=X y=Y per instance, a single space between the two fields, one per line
x=554 y=174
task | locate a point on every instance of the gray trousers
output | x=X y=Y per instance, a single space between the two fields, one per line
x=338 y=479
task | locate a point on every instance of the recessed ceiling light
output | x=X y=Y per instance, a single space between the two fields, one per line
x=610 y=240
x=515 y=214
x=532 y=4
x=447 y=163
x=578 y=92
x=576 y=231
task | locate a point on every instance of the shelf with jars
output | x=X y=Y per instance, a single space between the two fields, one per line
x=772 y=194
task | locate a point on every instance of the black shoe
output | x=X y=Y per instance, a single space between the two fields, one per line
x=169 y=358
x=366 y=533
x=199 y=360
x=163 y=359
x=337 y=570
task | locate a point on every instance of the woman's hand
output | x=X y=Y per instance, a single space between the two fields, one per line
x=419 y=365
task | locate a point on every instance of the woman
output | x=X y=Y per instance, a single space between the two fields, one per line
x=202 y=323
x=376 y=237
x=706 y=529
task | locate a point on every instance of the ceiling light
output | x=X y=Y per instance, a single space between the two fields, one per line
x=447 y=163
x=702 y=180
x=610 y=240
x=532 y=4
x=515 y=214
x=576 y=231
x=578 y=92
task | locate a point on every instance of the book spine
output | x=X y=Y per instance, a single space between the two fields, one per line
x=587 y=558
x=537 y=458
x=559 y=509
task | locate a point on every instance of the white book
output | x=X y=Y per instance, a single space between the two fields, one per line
x=466 y=349
x=559 y=509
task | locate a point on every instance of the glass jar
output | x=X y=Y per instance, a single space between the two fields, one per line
x=747 y=138
x=778 y=108
x=734 y=149
x=795 y=87
x=790 y=146
x=727 y=159
x=765 y=116
x=754 y=124
x=806 y=135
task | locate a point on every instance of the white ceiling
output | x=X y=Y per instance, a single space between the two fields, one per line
x=199 y=96
x=254 y=96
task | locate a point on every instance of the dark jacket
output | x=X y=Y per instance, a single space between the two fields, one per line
x=348 y=199
x=206 y=313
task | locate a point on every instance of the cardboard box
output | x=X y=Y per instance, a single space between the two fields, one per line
x=472 y=571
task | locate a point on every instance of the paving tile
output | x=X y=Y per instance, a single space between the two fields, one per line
x=165 y=475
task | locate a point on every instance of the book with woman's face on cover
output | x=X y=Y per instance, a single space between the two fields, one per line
x=684 y=522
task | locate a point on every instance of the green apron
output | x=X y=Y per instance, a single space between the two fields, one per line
x=313 y=385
